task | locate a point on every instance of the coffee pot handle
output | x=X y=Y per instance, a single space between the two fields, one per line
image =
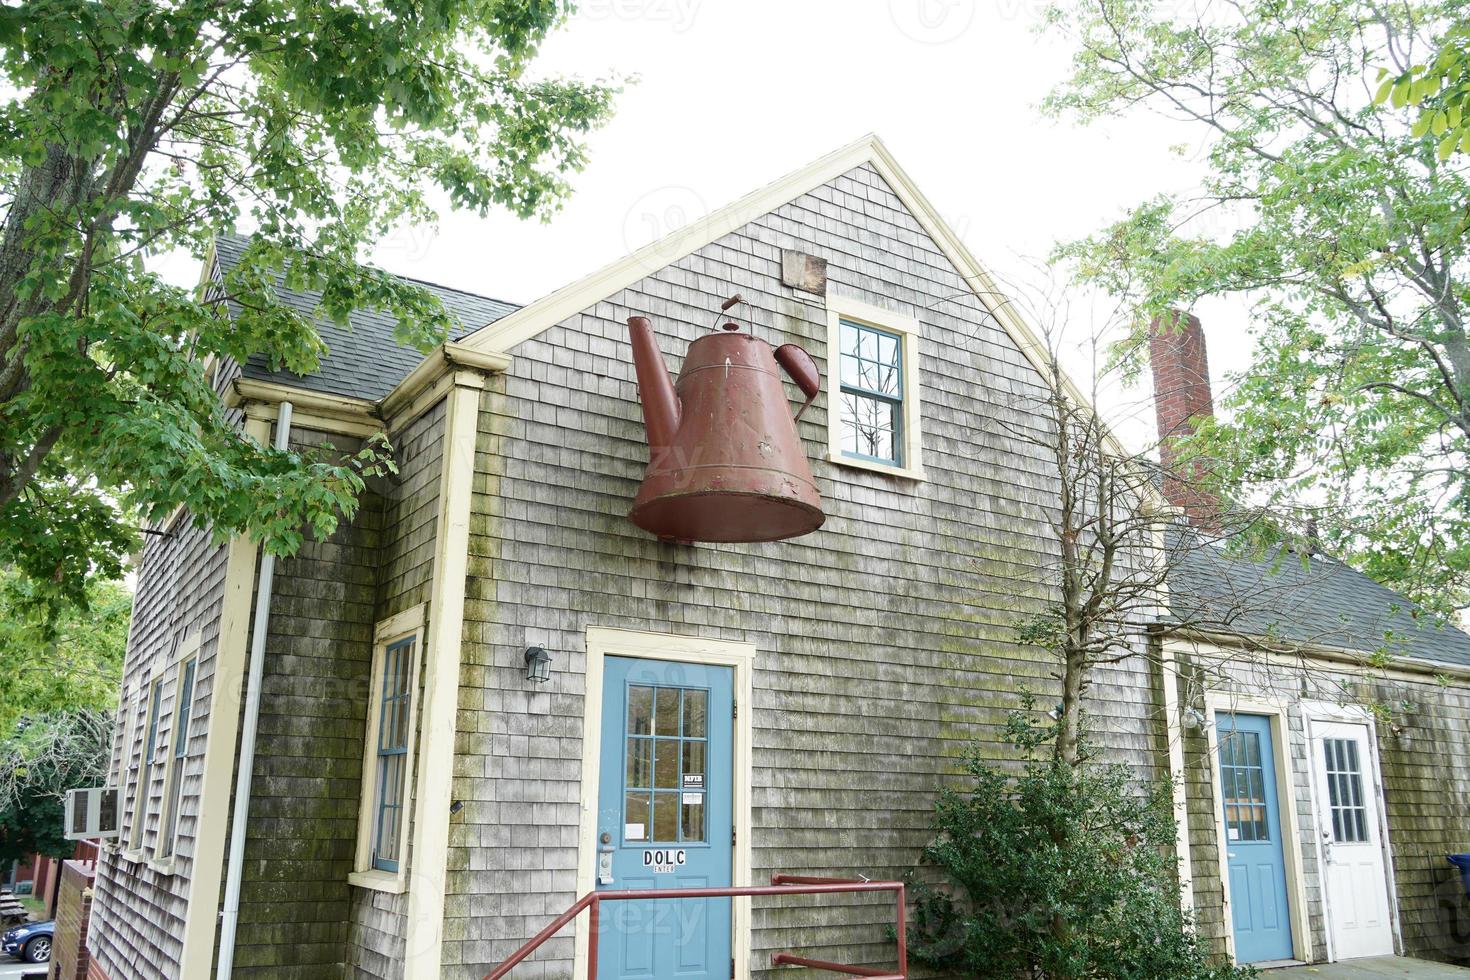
x=800 y=367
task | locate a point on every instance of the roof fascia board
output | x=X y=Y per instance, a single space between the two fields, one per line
x=356 y=416
x=555 y=307
x=361 y=416
x=573 y=298
x=450 y=356
x=1318 y=651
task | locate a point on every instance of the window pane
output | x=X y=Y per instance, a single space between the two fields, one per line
x=666 y=764
x=640 y=711
x=693 y=763
x=635 y=816
x=888 y=349
x=869 y=426
x=694 y=709
x=1345 y=791
x=640 y=762
x=849 y=338
x=1243 y=785
x=851 y=370
x=693 y=823
x=666 y=816
x=666 y=716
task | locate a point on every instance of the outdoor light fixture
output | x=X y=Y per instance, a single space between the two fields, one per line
x=538 y=665
x=1193 y=720
x=1055 y=714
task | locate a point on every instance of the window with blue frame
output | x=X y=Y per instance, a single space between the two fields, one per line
x=394 y=702
x=871 y=397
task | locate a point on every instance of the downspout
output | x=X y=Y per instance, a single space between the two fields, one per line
x=234 y=871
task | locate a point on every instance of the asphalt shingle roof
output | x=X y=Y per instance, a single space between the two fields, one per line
x=363 y=360
x=1321 y=601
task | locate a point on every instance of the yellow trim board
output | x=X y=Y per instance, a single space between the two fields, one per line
x=529 y=321
x=433 y=790
x=603 y=643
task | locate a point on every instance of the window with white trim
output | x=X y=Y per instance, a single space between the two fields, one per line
x=382 y=837
x=146 y=767
x=174 y=774
x=870 y=399
x=873 y=411
x=391 y=772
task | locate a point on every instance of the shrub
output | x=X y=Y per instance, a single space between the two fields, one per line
x=1060 y=871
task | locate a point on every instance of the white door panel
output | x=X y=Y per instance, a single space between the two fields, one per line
x=1353 y=874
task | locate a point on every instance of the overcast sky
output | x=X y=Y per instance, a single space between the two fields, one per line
x=732 y=94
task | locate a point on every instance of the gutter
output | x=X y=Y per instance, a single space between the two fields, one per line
x=230 y=915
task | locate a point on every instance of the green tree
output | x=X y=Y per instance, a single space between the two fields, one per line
x=45 y=755
x=71 y=663
x=1338 y=220
x=1439 y=89
x=131 y=127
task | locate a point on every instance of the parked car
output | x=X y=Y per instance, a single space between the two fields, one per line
x=30 y=942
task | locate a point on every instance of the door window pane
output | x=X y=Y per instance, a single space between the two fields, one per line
x=664 y=764
x=1243 y=785
x=1345 y=791
x=694 y=709
x=635 y=816
x=693 y=823
x=640 y=711
x=640 y=762
x=666 y=816
x=666 y=720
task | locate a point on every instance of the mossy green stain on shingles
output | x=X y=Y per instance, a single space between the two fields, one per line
x=302 y=835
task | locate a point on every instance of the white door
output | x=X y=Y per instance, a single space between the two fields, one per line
x=1352 y=846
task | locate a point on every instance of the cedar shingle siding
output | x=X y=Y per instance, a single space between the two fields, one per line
x=294 y=898
x=885 y=640
x=1425 y=764
x=138 y=911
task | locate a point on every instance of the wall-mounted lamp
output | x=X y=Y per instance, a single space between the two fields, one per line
x=538 y=665
x=1055 y=714
x=1193 y=719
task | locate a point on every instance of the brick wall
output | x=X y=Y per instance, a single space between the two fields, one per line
x=69 y=957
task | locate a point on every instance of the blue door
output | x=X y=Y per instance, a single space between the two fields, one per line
x=665 y=817
x=1255 y=857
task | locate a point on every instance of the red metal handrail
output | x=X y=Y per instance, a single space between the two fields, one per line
x=781 y=884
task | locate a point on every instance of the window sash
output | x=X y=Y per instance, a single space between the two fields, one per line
x=173 y=791
x=394 y=704
x=145 y=771
x=891 y=399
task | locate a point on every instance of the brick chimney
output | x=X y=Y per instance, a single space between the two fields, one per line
x=1181 y=370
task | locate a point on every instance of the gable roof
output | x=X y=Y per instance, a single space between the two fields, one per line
x=543 y=314
x=1317 y=603
x=363 y=358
